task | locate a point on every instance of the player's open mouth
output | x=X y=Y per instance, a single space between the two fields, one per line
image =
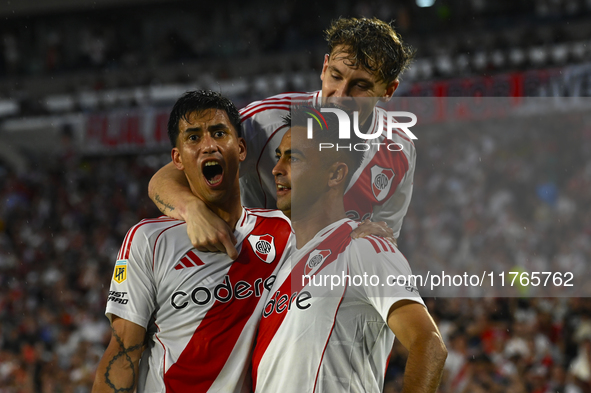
x=282 y=189
x=213 y=173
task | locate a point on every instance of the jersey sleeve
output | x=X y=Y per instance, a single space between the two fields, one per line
x=375 y=256
x=132 y=294
x=394 y=209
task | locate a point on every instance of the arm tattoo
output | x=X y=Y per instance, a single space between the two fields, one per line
x=163 y=204
x=124 y=355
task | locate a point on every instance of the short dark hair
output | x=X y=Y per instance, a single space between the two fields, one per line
x=197 y=101
x=329 y=133
x=372 y=44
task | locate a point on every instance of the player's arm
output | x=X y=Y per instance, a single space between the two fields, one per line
x=417 y=332
x=118 y=369
x=170 y=191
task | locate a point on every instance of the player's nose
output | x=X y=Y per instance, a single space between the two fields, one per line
x=208 y=144
x=341 y=90
x=279 y=168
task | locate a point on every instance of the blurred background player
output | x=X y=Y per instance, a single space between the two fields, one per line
x=365 y=59
x=192 y=316
x=313 y=338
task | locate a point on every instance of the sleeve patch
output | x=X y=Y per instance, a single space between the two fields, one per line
x=120 y=273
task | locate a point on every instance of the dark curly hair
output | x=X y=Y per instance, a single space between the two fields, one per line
x=197 y=101
x=371 y=44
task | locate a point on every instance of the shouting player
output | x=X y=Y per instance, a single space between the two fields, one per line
x=365 y=58
x=192 y=316
x=315 y=339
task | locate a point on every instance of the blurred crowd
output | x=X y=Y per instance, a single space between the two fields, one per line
x=509 y=345
x=507 y=195
x=79 y=59
x=158 y=34
x=61 y=227
x=504 y=195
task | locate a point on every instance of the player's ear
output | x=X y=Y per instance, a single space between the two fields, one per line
x=324 y=66
x=338 y=174
x=176 y=158
x=390 y=89
x=241 y=149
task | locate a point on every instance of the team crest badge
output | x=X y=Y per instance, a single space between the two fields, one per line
x=120 y=273
x=315 y=260
x=263 y=246
x=381 y=181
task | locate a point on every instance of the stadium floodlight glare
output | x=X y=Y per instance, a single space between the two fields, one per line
x=425 y=3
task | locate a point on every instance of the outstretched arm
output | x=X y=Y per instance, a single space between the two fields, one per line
x=170 y=191
x=417 y=332
x=118 y=369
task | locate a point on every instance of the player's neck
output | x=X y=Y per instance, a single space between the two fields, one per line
x=229 y=210
x=308 y=222
x=230 y=215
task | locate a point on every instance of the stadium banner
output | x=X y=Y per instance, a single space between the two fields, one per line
x=499 y=186
x=126 y=131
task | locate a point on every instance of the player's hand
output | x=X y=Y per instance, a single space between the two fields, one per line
x=208 y=232
x=380 y=228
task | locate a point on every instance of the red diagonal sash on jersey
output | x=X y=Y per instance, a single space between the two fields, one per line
x=336 y=242
x=205 y=355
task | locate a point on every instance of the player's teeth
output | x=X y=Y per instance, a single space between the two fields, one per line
x=211 y=163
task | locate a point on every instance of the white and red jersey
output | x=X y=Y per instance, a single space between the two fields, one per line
x=200 y=310
x=380 y=189
x=314 y=338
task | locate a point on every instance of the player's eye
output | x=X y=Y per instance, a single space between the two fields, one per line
x=293 y=159
x=336 y=77
x=193 y=137
x=219 y=134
